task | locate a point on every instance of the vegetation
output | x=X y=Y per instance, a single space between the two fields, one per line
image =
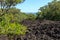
x=9 y=25
x=50 y=11
x=6 y=4
x=10 y=17
x=31 y=16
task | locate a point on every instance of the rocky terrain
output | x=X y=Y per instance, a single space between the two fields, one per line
x=41 y=30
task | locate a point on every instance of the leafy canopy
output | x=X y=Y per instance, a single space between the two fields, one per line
x=50 y=11
x=6 y=4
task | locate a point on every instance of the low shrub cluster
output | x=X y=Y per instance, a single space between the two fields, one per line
x=10 y=25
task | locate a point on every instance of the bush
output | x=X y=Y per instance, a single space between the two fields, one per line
x=15 y=27
x=31 y=16
x=11 y=28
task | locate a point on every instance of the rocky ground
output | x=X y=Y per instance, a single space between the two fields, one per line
x=41 y=30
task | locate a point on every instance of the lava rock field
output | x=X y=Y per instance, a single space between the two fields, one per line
x=41 y=30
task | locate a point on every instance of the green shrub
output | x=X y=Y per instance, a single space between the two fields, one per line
x=31 y=16
x=11 y=28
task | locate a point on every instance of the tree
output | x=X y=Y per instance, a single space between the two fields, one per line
x=6 y=4
x=51 y=11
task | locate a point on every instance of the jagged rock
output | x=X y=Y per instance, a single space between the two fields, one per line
x=42 y=30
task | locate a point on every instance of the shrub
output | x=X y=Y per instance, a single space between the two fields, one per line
x=31 y=16
x=11 y=28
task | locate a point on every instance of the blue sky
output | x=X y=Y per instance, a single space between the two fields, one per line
x=32 y=5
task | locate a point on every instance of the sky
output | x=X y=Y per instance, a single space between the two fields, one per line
x=32 y=6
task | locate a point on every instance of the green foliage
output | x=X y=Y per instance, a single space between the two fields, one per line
x=12 y=28
x=39 y=16
x=14 y=10
x=22 y=16
x=7 y=4
x=15 y=15
x=50 y=11
x=13 y=2
x=7 y=27
x=9 y=22
x=31 y=16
